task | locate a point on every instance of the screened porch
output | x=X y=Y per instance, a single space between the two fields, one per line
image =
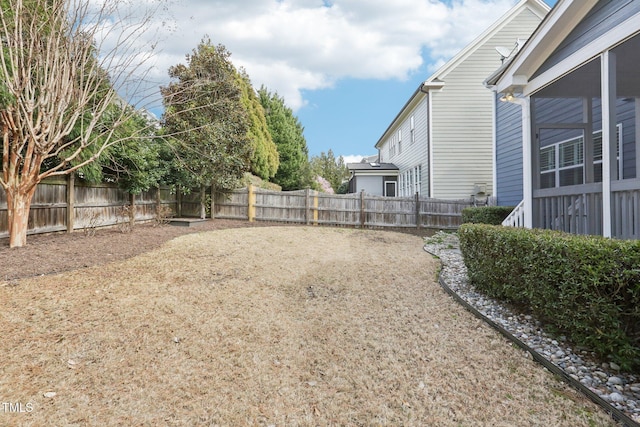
x=585 y=145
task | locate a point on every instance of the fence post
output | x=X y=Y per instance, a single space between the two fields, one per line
x=307 y=206
x=158 y=202
x=71 y=214
x=132 y=211
x=251 y=204
x=315 y=207
x=418 y=221
x=362 y=210
x=213 y=202
x=203 y=202
x=178 y=201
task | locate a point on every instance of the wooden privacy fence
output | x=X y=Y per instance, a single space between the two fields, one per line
x=67 y=205
x=357 y=210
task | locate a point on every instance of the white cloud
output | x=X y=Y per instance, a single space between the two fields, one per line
x=352 y=158
x=295 y=45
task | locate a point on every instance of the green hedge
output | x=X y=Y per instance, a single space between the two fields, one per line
x=588 y=287
x=486 y=214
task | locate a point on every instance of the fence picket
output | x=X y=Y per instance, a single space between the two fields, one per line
x=342 y=210
x=61 y=205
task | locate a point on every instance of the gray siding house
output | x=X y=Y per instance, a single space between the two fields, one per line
x=376 y=179
x=442 y=140
x=572 y=93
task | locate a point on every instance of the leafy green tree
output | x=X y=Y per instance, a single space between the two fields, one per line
x=265 y=160
x=294 y=171
x=333 y=170
x=133 y=163
x=56 y=87
x=206 y=121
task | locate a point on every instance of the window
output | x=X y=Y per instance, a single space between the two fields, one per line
x=548 y=167
x=399 y=141
x=562 y=163
x=597 y=154
x=392 y=147
x=413 y=128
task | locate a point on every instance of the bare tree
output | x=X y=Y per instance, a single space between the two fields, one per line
x=62 y=64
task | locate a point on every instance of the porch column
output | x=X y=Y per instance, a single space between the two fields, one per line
x=608 y=76
x=527 y=162
x=527 y=158
x=637 y=124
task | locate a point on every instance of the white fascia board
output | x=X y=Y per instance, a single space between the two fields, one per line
x=589 y=52
x=543 y=42
x=386 y=172
x=539 y=7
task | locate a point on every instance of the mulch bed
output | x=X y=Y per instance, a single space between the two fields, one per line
x=60 y=252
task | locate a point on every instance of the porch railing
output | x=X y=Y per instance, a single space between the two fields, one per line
x=578 y=209
x=574 y=209
x=625 y=209
x=516 y=217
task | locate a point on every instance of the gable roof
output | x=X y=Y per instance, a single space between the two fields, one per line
x=524 y=69
x=538 y=7
x=436 y=80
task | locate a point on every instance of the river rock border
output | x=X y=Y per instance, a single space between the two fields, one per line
x=616 y=392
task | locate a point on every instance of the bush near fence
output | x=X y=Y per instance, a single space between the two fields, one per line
x=587 y=287
x=493 y=215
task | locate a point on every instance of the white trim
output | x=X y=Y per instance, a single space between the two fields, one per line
x=527 y=167
x=430 y=141
x=552 y=31
x=395 y=191
x=384 y=172
x=608 y=84
x=637 y=122
x=542 y=10
x=494 y=151
x=588 y=53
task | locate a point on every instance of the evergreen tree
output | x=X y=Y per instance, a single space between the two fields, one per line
x=265 y=160
x=206 y=120
x=294 y=172
x=328 y=167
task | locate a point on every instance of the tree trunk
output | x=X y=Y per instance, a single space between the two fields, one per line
x=18 y=206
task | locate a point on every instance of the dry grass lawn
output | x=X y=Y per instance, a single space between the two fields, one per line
x=273 y=326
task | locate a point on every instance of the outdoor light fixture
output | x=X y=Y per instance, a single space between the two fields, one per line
x=508 y=97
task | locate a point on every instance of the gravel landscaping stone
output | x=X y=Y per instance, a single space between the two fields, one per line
x=620 y=389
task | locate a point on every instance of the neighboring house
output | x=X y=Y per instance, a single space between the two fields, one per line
x=376 y=179
x=442 y=139
x=577 y=86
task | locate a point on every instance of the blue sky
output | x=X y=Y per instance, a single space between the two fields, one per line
x=345 y=67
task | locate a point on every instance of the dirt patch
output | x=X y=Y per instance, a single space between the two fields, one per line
x=266 y=326
x=59 y=252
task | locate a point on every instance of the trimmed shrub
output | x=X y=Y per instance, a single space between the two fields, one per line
x=493 y=215
x=588 y=287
